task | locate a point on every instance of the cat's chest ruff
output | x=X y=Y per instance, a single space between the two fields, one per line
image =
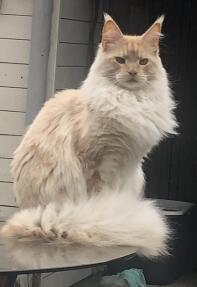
x=136 y=111
x=128 y=105
x=132 y=116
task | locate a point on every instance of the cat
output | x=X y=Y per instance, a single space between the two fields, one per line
x=78 y=170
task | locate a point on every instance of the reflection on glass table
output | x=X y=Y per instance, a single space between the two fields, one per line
x=20 y=257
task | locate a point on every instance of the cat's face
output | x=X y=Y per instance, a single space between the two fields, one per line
x=130 y=61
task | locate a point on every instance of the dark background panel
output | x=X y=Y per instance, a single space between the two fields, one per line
x=171 y=169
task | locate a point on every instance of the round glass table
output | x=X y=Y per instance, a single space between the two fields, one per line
x=19 y=257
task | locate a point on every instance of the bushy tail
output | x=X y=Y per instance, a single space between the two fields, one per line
x=102 y=220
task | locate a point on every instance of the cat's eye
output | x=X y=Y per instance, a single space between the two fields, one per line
x=120 y=60
x=143 y=61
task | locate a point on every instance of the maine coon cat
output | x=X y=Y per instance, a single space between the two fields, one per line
x=78 y=170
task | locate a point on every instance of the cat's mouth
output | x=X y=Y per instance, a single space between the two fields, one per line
x=129 y=82
x=133 y=80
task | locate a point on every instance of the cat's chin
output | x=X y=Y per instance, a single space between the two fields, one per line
x=131 y=85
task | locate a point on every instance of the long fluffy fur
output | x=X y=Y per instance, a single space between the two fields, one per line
x=106 y=220
x=86 y=147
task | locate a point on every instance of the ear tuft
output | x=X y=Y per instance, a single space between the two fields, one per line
x=153 y=34
x=160 y=19
x=111 y=33
x=107 y=17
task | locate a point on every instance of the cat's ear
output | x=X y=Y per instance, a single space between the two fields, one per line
x=111 y=33
x=153 y=34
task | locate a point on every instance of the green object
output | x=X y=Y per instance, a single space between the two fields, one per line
x=134 y=277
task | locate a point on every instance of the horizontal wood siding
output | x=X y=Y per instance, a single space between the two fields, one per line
x=12 y=123
x=13 y=99
x=8 y=145
x=13 y=75
x=70 y=77
x=10 y=51
x=75 y=42
x=5 y=170
x=81 y=10
x=15 y=27
x=77 y=31
x=78 y=55
x=15 y=36
x=16 y=7
x=75 y=9
x=6 y=212
x=6 y=193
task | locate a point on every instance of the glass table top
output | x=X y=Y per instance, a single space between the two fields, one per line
x=37 y=256
x=29 y=257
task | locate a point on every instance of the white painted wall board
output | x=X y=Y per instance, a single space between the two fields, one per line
x=14 y=51
x=15 y=27
x=17 y=7
x=5 y=169
x=7 y=194
x=6 y=212
x=12 y=123
x=8 y=145
x=13 y=75
x=13 y=99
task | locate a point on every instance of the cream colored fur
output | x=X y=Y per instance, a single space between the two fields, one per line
x=103 y=220
x=80 y=163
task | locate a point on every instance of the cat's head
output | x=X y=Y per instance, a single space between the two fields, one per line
x=130 y=61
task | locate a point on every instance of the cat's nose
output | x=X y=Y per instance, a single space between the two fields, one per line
x=132 y=73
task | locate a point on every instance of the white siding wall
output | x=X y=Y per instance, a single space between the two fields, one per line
x=15 y=36
x=73 y=47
